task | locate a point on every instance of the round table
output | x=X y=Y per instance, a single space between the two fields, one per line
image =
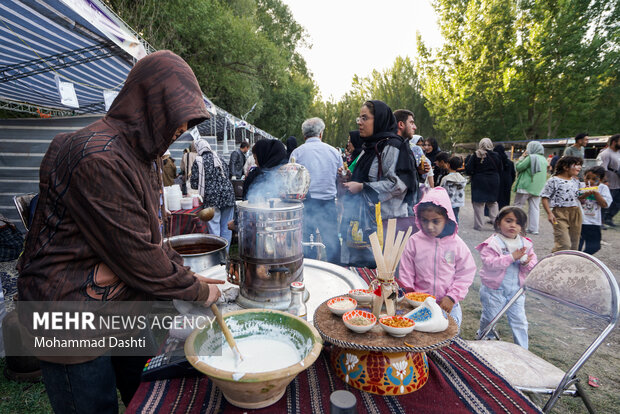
x=377 y=362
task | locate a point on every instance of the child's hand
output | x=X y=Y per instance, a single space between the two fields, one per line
x=446 y=304
x=517 y=254
x=527 y=260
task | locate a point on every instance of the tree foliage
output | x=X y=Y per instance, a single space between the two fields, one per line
x=397 y=86
x=523 y=69
x=242 y=52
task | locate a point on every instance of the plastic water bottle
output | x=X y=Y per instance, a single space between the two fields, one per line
x=297 y=306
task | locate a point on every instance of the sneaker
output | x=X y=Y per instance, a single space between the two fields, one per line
x=604 y=243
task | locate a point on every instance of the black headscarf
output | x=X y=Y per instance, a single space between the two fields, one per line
x=269 y=153
x=291 y=144
x=499 y=148
x=506 y=163
x=356 y=141
x=433 y=154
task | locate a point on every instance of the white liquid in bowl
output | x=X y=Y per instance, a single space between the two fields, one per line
x=260 y=354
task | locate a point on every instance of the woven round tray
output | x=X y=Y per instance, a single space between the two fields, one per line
x=333 y=330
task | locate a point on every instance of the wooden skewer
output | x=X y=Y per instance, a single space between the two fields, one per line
x=394 y=252
x=376 y=251
x=389 y=239
x=401 y=248
x=227 y=333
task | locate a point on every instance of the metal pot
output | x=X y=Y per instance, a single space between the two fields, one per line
x=199 y=251
x=270 y=231
x=270 y=248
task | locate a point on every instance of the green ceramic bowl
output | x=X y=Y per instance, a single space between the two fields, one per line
x=261 y=389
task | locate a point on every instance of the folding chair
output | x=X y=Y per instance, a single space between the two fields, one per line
x=571 y=278
x=22 y=204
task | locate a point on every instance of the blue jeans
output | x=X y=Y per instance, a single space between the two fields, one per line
x=218 y=225
x=493 y=300
x=90 y=387
x=457 y=314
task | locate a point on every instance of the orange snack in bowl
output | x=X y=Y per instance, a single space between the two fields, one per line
x=418 y=296
x=397 y=322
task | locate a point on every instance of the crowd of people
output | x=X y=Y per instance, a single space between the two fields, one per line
x=388 y=172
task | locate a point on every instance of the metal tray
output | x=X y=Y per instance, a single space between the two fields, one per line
x=323 y=280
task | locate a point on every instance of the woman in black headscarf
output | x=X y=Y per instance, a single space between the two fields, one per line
x=291 y=144
x=506 y=178
x=269 y=154
x=431 y=149
x=383 y=172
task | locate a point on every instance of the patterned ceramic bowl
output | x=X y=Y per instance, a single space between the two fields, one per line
x=417 y=298
x=405 y=325
x=341 y=305
x=362 y=296
x=359 y=321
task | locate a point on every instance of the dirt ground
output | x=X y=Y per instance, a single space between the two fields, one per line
x=556 y=335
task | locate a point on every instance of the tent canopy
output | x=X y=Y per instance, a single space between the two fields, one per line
x=43 y=42
x=82 y=43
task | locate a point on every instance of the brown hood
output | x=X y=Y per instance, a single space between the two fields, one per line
x=160 y=94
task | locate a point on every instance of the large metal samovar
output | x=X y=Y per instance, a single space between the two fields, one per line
x=270 y=249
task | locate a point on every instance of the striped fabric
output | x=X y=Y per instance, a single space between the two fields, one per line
x=459 y=382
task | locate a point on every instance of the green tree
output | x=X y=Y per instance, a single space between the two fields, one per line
x=243 y=52
x=531 y=68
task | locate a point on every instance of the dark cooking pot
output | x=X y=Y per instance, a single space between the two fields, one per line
x=199 y=251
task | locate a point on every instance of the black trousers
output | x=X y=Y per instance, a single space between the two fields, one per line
x=322 y=215
x=591 y=238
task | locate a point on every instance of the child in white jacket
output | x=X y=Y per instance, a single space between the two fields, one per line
x=507 y=257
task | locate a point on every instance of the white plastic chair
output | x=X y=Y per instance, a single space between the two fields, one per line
x=574 y=279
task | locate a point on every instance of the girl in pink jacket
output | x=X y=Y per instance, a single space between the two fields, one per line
x=436 y=260
x=507 y=257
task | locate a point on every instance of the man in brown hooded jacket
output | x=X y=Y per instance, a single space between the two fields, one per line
x=96 y=234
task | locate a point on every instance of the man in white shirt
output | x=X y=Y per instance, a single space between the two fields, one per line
x=610 y=160
x=322 y=161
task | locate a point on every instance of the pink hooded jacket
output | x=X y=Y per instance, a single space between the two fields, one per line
x=496 y=259
x=439 y=266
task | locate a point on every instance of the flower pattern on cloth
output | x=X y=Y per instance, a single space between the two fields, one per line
x=561 y=192
x=218 y=190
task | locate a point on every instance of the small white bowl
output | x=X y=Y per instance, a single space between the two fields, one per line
x=362 y=296
x=397 y=332
x=359 y=314
x=341 y=305
x=416 y=299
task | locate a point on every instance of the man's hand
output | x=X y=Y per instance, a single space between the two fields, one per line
x=446 y=304
x=214 y=291
x=424 y=167
x=552 y=218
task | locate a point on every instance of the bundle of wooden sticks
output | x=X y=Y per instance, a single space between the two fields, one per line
x=388 y=259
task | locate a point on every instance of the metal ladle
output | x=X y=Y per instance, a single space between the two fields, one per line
x=206 y=214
